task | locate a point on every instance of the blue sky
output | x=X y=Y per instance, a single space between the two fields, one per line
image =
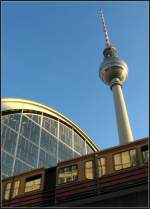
x=51 y=53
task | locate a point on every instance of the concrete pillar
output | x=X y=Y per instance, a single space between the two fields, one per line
x=123 y=124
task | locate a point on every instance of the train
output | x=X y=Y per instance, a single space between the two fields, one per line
x=91 y=179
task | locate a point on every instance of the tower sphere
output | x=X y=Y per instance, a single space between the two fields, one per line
x=113 y=67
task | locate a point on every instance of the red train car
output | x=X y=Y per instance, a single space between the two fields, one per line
x=32 y=188
x=112 y=177
x=108 y=171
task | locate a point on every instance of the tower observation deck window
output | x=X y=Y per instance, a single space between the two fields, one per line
x=125 y=159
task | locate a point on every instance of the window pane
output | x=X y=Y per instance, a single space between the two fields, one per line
x=146 y=156
x=7 y=191
x=67 y=174
x=145 y=153
x=126 y=159
x=133 y=157
x=16 y=189
x=117 y=160
x=101 y=166
x=89 y=170
x=32 y=185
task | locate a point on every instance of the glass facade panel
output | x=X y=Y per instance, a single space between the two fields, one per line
x=16 y=189
x=51 y=125
x=12 y=120
x=3 y=177
x=101 y=166
x=49 y=143
x=67 y=174
x=30 y=130
x=21 y=167
x=5 y=119
x=76 y=155
x=25 y=141
x=7 y=162
x=89 y=150
x=35 y=117
x=79 y=144
x=65 y=134
x=7 y=191
x=64 y=153
x=9 y=140
x=27 y=152
x=46 y=160
x=89 y=170
x=3 y=134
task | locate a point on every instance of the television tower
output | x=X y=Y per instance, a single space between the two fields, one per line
x=113 y=71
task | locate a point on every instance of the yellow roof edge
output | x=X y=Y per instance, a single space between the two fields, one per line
x=29 y=101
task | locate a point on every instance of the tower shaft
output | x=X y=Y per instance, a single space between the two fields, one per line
x=123 y=124
x=113 y=72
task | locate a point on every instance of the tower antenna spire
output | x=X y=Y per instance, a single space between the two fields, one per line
x=113 y=72
x=105 y=29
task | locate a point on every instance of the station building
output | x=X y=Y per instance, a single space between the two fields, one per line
x=34 y=136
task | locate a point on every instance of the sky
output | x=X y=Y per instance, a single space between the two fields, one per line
x=51 y=53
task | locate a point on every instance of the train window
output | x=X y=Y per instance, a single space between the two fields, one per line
x=101 y=166
x=145 y=153
x=16 y=189
x=33 y=183
x=125 y=159
x=67 y=174
x=7 y=191
x=89 y=170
